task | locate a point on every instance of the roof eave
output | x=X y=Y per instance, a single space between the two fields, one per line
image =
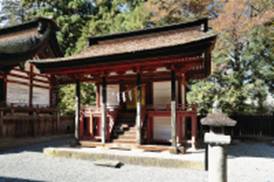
x=187 y=49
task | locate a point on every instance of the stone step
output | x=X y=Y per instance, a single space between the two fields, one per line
x=120 y=140
x=121 y=146
x=127 y=136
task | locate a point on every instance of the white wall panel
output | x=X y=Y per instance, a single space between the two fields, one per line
x=161 y=93
x=17 y=94
x=41 y=96
x=162 y=128
x=113 y=95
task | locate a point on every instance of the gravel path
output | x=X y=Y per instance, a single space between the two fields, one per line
x=247 y=163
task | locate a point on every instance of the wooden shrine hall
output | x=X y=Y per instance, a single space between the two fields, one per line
x=26 y=96
x=141 y=79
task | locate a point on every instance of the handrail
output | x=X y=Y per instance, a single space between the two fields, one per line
x=22 y=109
x=180 y=107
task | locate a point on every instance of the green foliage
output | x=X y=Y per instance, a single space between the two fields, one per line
x=243 y=62
x=243 y=77
x=70 y=15
x=67 y=97
x=112 y=17
x=11 y=12
x=203 y=94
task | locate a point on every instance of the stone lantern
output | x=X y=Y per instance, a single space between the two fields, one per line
x=217 y=140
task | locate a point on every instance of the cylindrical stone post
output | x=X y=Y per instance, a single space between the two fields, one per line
x=217 y=163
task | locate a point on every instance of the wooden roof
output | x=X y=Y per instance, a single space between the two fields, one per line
x=24 y=41
x=189 y=39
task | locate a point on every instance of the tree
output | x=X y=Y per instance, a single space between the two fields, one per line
x=70 y=15
x=11 y=13
x=67 y=97
x=112 y=17
x=243 y=60
x=174 y=11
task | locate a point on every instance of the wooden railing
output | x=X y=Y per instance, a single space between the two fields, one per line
x=182 y=113
x=93 y=115
x=18 y=121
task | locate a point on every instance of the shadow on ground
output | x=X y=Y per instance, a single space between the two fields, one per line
x=9 y=179
x=251 y=149
x=38 y=147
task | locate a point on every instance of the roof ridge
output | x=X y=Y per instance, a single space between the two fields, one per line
x=192 y=23
x=27 y=24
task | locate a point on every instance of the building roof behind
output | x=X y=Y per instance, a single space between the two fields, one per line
x=24 y=41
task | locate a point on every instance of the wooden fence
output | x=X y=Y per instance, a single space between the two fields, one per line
x=253 y=126
x=25 y=122
x=248 y=126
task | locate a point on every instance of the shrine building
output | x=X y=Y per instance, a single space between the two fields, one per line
x=141 y=79
x=25 y=93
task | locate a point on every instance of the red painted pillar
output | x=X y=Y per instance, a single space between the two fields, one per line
x=179 y=126
x=81 y=127
x=91 y=125
x=97 y=96
x=150 y=129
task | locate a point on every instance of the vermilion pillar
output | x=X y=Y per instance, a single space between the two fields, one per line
x=97 y=96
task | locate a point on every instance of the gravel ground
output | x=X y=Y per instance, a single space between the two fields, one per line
x=247 y=163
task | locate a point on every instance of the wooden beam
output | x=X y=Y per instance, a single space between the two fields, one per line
x=139 y=109
x=127 y=65
x=30 y=85
x=77 y=110
x=97 y=95
x=26 y=83
x=146 y=75
x=3 y=91
x=103 y=110
x=1 y=123
x=173 y=110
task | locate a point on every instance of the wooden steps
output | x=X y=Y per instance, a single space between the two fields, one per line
x=91 y=144
x=155 y=148
x=124 y=131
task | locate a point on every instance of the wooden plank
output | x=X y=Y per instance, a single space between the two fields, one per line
x=128 y=65
x=30 y=85
x=1 y=123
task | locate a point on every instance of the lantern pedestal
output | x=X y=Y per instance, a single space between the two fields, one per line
x=217 y=141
